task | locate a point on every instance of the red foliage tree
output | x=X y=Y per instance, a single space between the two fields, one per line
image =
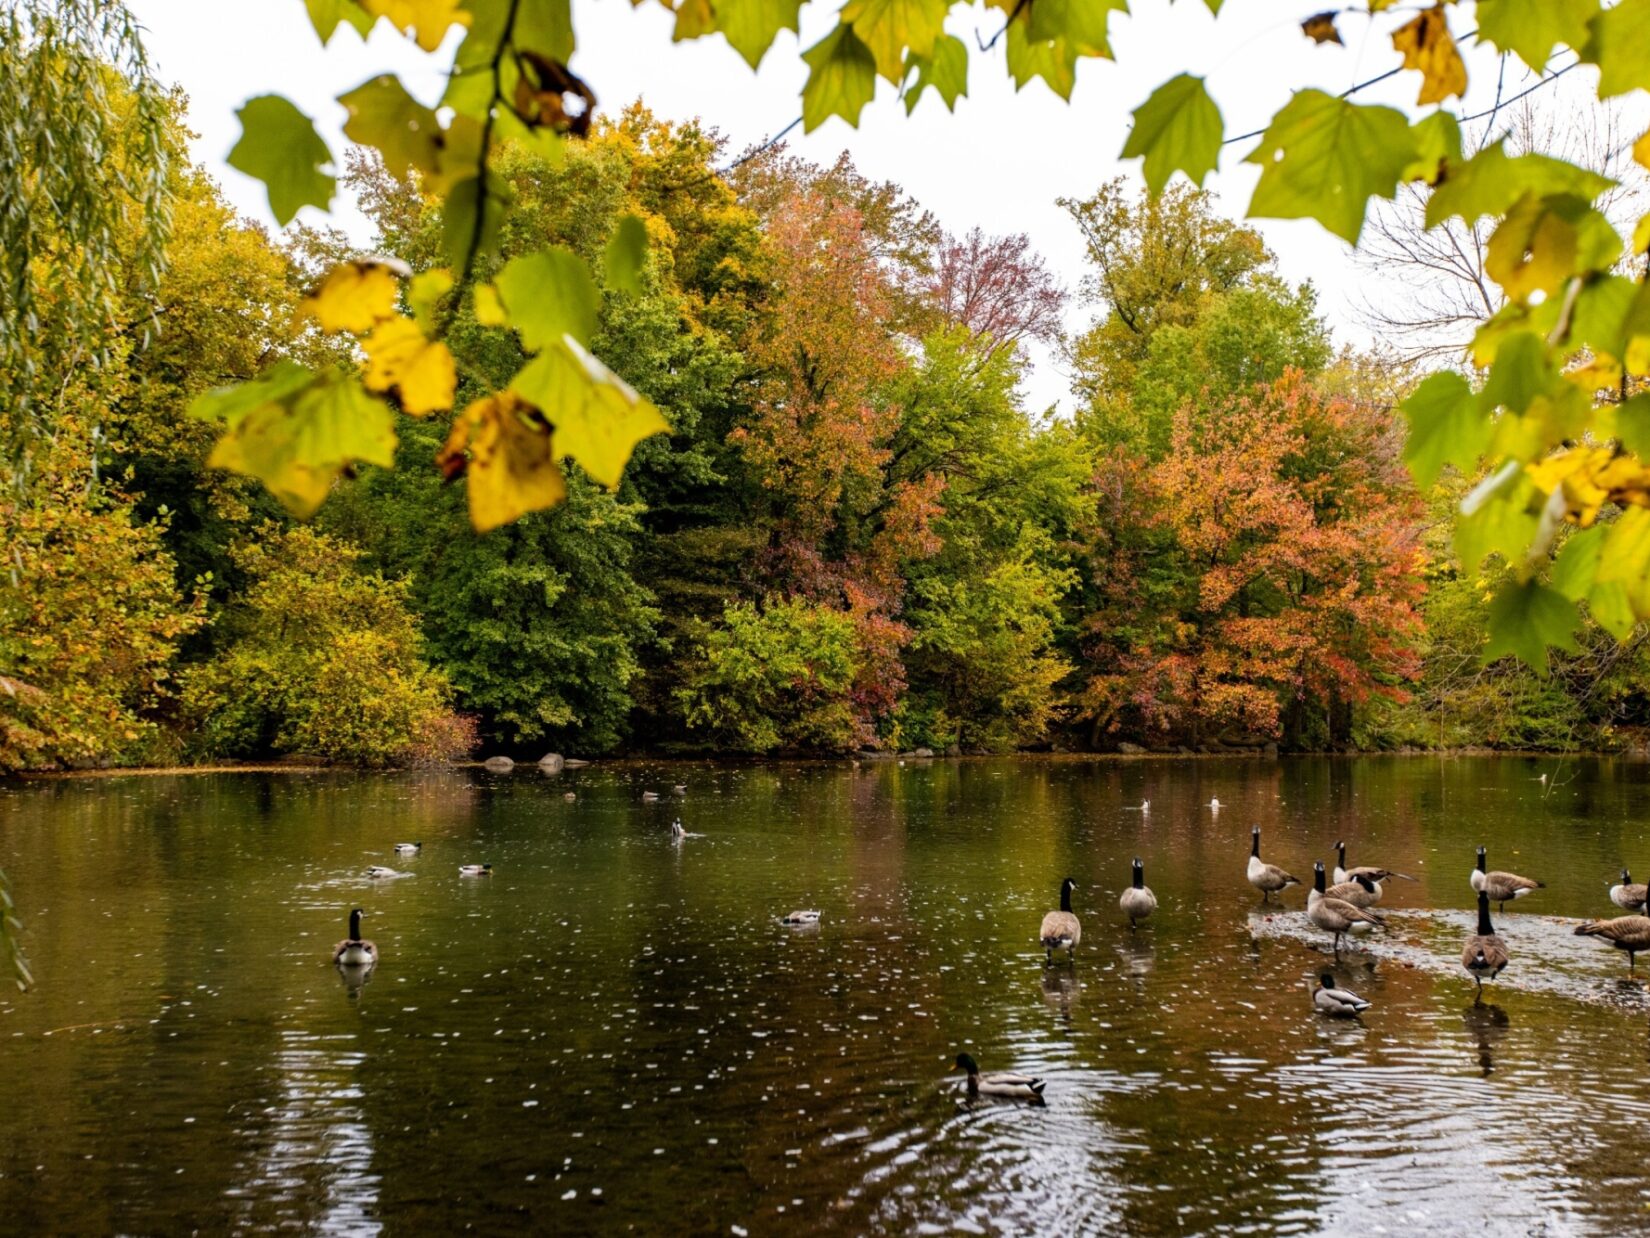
x=997 y=286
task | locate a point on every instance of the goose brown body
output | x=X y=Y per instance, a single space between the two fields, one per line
x=1627 y=895
x=355 y=950
x=1485 y=954
x=1334 y=915
x=1061 y=929
x=1267 y=878
x=1502 y=887
x=1629 y=933
x=1137 y=902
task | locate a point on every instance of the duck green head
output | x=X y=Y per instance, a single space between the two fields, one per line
x=966 y=1062
x=1327 y=980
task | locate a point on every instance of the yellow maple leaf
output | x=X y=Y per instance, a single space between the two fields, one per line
x=502 y=444
x=419 y=370
x=1641 y=150
x=1427 y=45
x=426 y=20
x=355 y=296
x=1600 y=373
x=489 y=309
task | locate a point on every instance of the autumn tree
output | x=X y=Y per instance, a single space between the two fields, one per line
x=998 y=287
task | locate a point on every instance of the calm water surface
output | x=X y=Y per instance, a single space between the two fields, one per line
x=613 y=1033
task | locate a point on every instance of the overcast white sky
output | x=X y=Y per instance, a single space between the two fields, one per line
x=999 y=162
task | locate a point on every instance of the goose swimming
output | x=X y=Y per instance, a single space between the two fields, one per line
x=1137 y=902
x=1485 y=954
x=1061 y=930
x=1337 y=1002
x=1267 y=878
x=1021 y=1087
x=1335 y=915
x=1502 y=887
x=355 y=950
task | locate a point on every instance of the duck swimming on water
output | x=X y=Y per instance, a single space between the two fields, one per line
x=1020 y=1087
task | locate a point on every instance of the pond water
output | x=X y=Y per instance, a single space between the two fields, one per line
x=612 y=1033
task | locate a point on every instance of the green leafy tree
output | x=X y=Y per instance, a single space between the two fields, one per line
x=320 y=659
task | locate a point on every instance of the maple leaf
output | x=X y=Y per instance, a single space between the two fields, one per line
x=427 y=21
x=420 y=371
x=501 y=444
x=1320 y=28
x=1177 y=129
x=1427 y=45
x=280 y=147
x=355 y=296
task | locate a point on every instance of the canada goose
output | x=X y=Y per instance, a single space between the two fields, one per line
x=1335 y=915
x=679 y=789
x=408 y=848
x=475 y=870
x=1360 y=892
x=1377 y=875
x=379 y=872
x=1267 y=878
x=1629 y=933
x=1060 y=930
x=1627 y=896
x=1142 y=806
x=1336 y=1002
x=800 y=918
x=1502 y=887
x=649 y=797
x=1485 y=954
x=1214 y=805
x=1022 y=1087
x=354 y=951
x=1137 y=902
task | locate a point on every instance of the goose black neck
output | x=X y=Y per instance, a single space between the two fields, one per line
x=1254 y=845
x=1485 y=928
x=1626 y=878
x=1139 y=874
x=1065 y=894
x=1480 y=859
x=355 y=925
x=1317 y=876
x=1340 y=852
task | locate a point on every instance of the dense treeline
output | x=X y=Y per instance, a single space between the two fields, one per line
x=855 y=535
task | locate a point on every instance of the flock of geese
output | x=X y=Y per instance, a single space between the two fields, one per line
x=1345 y=907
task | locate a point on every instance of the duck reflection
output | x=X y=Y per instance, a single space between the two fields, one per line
x=1488 y=1026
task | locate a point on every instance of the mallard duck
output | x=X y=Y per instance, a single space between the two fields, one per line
x=1627 y=896
x=678 y=833
x=1137 y=902
x=408 y=848
x=379 y=872
x=1021 y=1087
x=1267 y=878
x=475 y=870
x=798 y=918
x=354 y=950
x=1485 y=954
x=1214 y=804
x=679 y=789
x=570 y=795
x=1060 y=930
x=1629 y=933
x=1334 y=915
x=1336 y=1002
x=649 y=797
x=1344 y=874
x=1502 y=887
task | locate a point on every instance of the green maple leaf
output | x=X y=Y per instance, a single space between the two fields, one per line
x=1525 y=619
x=842 y=79
x=1625 y=559
x=280 y=147
x=946 y=71
x=751 y=26
x=1499 y=516
x=1612 y=610
x=1053 y=60
x=1491 y=181
x=1446 y=426
x=549 y=294
x=1081 y=24
x=1576 y=563
x=598 y=418
x=1620 y=47
x=1521 y=372
x=327 y=15
x=888 y=27
x=1177 y=129
x=1532 y=28
x=384 y=116
x=1323 y=158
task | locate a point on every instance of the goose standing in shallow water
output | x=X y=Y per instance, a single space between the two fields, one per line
x=1137 y=902
x=1362 y=893
x=1336 y=1002
x=1336 y=915
x=1627 y=896
x=1021 y=1087
x=1267 y=878
x=1629 y=933
x=1060 y=930
x=354 y=950
x=1502 y=887
x=1377 y=875
x=1485 y=954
